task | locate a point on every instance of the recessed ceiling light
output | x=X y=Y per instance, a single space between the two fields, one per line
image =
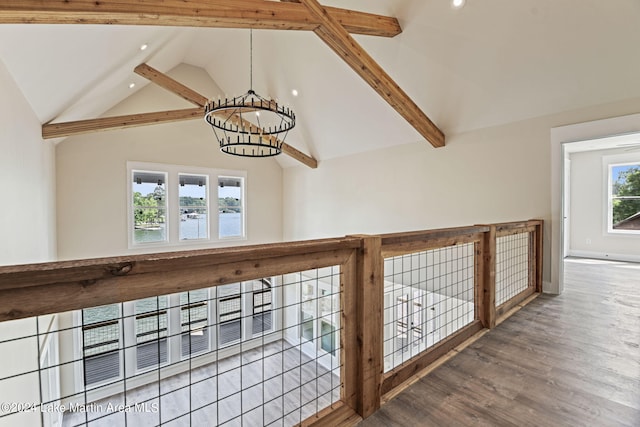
x=294 y=92
x=132 y=85
x=144 y=46
x=457 y=4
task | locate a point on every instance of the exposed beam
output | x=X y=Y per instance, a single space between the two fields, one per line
x=286 y=148
x=190 y=95
x=334 y=35
x=170 y=84
x=261 y=14
x=58 y=130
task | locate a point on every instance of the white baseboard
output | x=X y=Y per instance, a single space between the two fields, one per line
x=604 y=255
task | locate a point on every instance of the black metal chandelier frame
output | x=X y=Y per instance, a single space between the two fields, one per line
x=238 y=122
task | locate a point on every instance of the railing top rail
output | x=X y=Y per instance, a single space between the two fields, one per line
x=39 y=289
x=517 y=224
x=412 y=236
x=37 y=274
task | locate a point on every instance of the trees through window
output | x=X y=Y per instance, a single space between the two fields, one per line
x=172 y=204
x=624 y=199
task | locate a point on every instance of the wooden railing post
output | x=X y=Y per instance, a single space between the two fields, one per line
x=488 y=295
x=370 y=281
x=538 y=239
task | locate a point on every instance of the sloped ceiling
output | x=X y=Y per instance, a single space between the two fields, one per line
x=490 y=63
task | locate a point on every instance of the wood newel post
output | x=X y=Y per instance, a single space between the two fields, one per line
x=488 y=314
x=370 y=273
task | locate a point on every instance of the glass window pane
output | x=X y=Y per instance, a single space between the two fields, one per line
x=229 y=314
x=328 y=338
x=101 y=342
x=151 y=331
x=194 y=319
x=307 y=326
x=194 y=207
x=625 y=191
x=262 y=317
x=149 y=206
x=230 y=207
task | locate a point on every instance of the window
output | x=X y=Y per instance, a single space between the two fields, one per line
x=319 y=317
x=120 y=341
x=230 y=219
x=328 y=337
x=171 y=205
x=149 y=206
x=194 y=207
x=151 y=321
x=307 y=311
x=262 y=316
x=101 y=343
x=229 y=314
x=194 y=317
x=624 y=198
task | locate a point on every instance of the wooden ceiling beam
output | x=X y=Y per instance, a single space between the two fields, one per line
x=58 y=130
x=194 y=97
x=286 y=148
x=171 y=85
x=334 y=35
x=259 y=14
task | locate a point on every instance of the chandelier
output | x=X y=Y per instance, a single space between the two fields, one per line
x=250 y=125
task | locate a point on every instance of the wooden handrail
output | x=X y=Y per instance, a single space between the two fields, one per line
x=393 y=238
x=38 y=289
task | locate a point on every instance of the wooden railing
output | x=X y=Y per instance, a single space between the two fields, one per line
x=49 y=288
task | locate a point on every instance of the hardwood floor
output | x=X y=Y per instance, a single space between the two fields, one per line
x=275 y=385
x=568 y=360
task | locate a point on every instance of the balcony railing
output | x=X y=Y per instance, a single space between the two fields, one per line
x=339 y=324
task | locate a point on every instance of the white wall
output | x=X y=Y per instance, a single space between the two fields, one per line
x=27 y=234
x=92 y=177
x=587 y=229
x=27 y=181
x=490 y=175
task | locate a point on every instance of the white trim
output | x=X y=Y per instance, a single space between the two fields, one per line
x=626 y=127
x=604 y=256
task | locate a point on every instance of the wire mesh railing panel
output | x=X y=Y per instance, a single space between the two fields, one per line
x=260 y=352
x=428 y=296
x=512 y=266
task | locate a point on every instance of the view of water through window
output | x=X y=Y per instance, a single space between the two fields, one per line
x=230 y=226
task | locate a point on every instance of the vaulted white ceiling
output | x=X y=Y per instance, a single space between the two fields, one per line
x=490 y=63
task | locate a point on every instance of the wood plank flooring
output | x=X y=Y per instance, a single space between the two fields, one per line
x=276 y=384
x=568 y=360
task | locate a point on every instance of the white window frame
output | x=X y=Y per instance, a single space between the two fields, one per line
x=210 y=329
x=175 y=359
x=313 y=347
x=130 y=338
x=247 y=314
x=79 y=353
x=243 y=217
x=627 y=159
x=173 y=204
x=207 y=182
